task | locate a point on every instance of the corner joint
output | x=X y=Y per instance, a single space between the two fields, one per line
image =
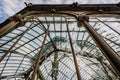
x=83 y=18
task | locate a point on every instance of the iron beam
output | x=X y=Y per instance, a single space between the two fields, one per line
x=8 y=51
x=73 y=53
x=107 y=51
x=108 y=26
x=40 y=55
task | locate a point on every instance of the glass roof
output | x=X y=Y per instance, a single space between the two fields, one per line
x=23 y=44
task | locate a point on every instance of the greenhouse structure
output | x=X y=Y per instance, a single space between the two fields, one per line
x=61 y=42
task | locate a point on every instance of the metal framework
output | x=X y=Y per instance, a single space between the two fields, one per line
x=61 y=42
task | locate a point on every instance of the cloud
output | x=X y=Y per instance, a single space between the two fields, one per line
x=13 y=6
x=3 y=15
x=10 y=7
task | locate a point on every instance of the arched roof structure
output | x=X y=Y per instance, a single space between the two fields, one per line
x=61 y=42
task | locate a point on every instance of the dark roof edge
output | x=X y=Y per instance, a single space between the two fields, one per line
x=66 y=7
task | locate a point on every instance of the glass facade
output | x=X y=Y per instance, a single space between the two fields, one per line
x=21 y=47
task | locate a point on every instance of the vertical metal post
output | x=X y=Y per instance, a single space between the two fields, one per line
x=55 y=65
x=40 y=55
x=73 y=53
x=107 y=51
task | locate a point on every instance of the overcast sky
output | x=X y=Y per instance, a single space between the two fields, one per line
x=10 y=7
